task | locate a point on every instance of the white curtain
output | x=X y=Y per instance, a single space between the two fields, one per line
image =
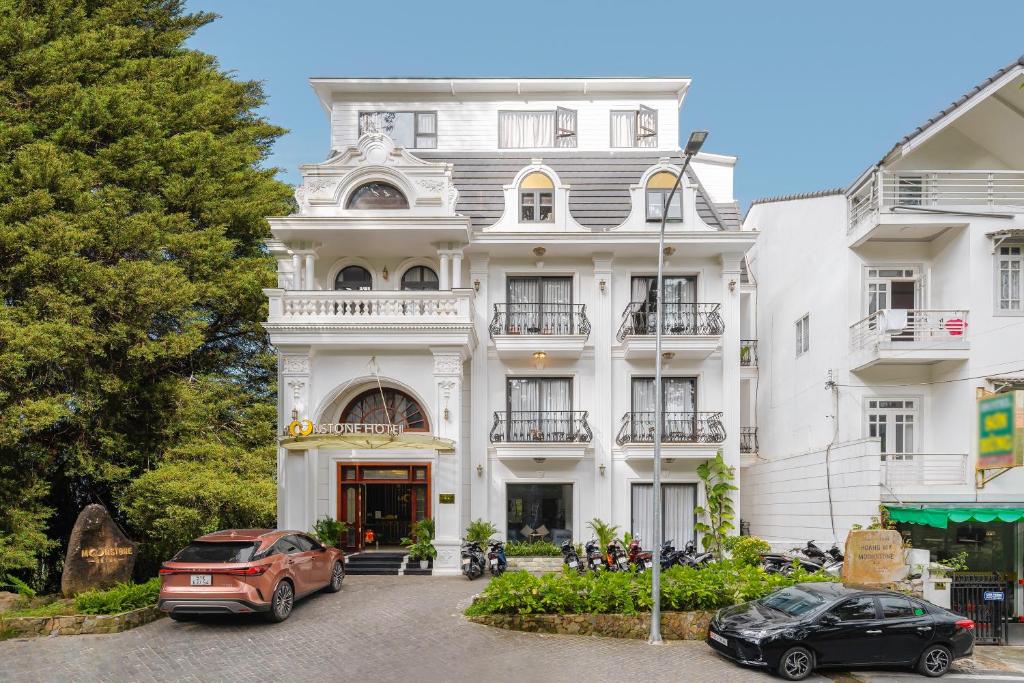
x=643 y=514
x=539 y=409
x=677 y=503
x=523 y=313
x=526 y=129
x=556 y=295
x=624 y=129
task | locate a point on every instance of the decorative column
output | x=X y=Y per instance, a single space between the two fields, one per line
x=296 y=271
x=443 y=275
x=730 y=311
x=447 y=482
x=457 y=269
x=603 y=422
x=293 y=468
x=310 y=273
x=480 y=418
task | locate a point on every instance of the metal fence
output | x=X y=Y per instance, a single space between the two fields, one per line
x=986 y=598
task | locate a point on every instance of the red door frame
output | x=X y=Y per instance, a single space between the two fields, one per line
x=359 y=484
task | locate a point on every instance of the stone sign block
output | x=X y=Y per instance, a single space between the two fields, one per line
x=874 y=557
x=99 y=554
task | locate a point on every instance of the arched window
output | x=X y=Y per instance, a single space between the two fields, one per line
x=386 y=406
x=377 y=195
x=659 y=186
x=419 y=278
x=536 y=199
x=353 y=279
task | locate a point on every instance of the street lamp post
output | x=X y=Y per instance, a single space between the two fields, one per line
x=693 y=146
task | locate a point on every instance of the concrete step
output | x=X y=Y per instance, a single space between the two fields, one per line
x=372 y=572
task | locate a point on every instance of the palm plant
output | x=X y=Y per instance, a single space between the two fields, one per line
x=604 y=531
x=480 y=531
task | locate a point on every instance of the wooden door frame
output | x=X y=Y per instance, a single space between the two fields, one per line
x=361 y=484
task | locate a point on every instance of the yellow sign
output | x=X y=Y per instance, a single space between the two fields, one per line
x=300 y=428
x=107 y=554
x=306 y=427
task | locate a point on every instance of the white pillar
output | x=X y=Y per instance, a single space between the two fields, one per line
x=730 y=311
x=310 y=279
x=444 y=271
x=603 y=425
x=296 y=271
x=457 y=270
x=480 y=418
x=448 y=473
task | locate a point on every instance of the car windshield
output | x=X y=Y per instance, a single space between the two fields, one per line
x=793 y=601
x=220 y=551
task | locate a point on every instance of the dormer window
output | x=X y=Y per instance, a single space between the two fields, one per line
x=635 y=128
x=536 y=129
x=409 y=129
x=377 y=195
x=536 y=199
x=659 y=187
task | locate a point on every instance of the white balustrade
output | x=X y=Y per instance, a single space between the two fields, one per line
x=924 y=469
x=413 y=307
x=936 y=326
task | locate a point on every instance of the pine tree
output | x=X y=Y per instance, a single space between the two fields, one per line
x=132 y=205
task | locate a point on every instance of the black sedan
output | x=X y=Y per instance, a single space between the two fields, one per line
x=798 y=629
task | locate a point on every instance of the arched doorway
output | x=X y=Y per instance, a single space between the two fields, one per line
x=383 y=500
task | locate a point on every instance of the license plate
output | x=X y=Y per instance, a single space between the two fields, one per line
x=648 y=564
x=465 y=561
x=574 y=564
x=494 y=562
x=201 y=580
x=717 y=638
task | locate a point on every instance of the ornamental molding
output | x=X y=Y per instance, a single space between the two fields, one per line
x=446 y=387
x=295 y=364
x=448 y=364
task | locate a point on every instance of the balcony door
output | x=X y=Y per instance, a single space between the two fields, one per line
x=680 y=315
x=539 y=305
x=679 y=401
x=539 y=409
x=899 y=289
x=893 y=422
x=677 y=517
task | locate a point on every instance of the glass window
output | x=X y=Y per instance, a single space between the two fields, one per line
x=303 y=543
x=793 y=601
x=634 y=128
x=412 y=130
x=385 y=473
x=803 y=335
x=539 y=409
x=539 y=305
x=894 y=423
x=531 y=129
x=536 y=198
x=204 y=551
x=419 y=278
x=377 y=195
x=659 y=187
x=1010 y=263
x=386 y=406
x=353 y=279
x=856 y=609
x=677 y=516
x=285 y=546
x=895 y=607
x=539 y=511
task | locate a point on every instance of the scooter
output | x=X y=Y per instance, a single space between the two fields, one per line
x=571 y=558
x=617 y=559
x=639 y=558
x=595 y=558
x=496 y=560
x=473 y=560
x=693 y=558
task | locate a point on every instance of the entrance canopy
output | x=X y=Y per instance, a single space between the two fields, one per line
x=404 y=441
x=941 y=517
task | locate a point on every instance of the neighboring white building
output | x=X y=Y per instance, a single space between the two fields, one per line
x=473 y=263
x=882 y=310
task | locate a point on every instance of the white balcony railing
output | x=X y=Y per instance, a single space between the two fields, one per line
x=924 y=469
x=934 y=189
x=403 y=308
x=920 y=325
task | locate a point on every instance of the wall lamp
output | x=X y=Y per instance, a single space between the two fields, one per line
x=538 y=359
x=384 y=273
x=602 y=284
x=479 y=470
x=732 y=285
x=602 y=468
x=476 y=285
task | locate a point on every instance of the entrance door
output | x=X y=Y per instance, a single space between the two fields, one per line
x=386 y=499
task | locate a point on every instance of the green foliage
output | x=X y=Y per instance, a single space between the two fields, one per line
x=957 y=563
x=132 y=205
x=746 y=549
x=480 y=531
x=532 y=549
x=605 y=532
x=716 y=477
x=329 y=531
x=682 y=589
x=49 y=609
x=420 y=546
x=121 y=598
x=19 y=586
x=627 y=538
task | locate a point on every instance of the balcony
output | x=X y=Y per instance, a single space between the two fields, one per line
x=684 y=435
x=920 y=336
x=748 y=358
x=558 y=330
x=689 y=330
x=920 y=473
x=409 y=319
x=916 y=205
x=539 y=435
x=748 y=440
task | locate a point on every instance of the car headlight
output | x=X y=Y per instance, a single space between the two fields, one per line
x=756 y=634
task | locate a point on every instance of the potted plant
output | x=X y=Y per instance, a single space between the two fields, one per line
x=744 y=355
x=422 y=548
x=330 y=531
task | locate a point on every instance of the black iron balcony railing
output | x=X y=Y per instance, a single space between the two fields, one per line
x=540 y=319
x=552 y=426
x=638 y=427
x=748 y=439
x=748 y=353
x=641 y=318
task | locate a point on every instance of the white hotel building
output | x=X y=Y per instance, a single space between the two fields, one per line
x=904 y=291
x=474 y=262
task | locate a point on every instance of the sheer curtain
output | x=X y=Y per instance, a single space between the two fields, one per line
x=539 y=408
x=555 y=402
x=526 y=129
x=624 y=129
x=677 y=503
x=643 y=514
x=523 y=295
x=643 y=408
x=556 y=293
x=680 y=419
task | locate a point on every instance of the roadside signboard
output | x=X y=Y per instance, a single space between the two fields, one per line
x=995 y=595
x=1001 y=430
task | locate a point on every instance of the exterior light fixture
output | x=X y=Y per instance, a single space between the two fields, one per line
x=539 y=461
x=384 y=273
x=667 y=356
x=446 y=414
x=602 y=468
x=539 y=251
x=476 y=285
x=695 y=142
x=295 y=413
x=479 y=470
x=602 y=284
x=668 y=251
x=538 y=359
x=732 y=285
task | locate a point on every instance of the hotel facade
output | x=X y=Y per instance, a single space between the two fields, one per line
x=465 y=312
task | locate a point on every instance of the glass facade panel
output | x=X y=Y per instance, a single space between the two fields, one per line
x=539 y=511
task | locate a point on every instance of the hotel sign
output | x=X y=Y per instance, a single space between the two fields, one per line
x=1001 y=430
x=308 y=428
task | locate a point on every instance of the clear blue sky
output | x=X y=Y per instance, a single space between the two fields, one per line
x=807 y=94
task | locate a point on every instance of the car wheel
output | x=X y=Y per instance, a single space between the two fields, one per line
x=282 y=602
x=935 y=661
x=337 y=578
x=796 y=664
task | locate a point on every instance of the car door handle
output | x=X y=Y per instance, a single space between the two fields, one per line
x=924 y=628
x=874 y=631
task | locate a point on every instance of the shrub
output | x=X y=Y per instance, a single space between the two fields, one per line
x=682 y=589
x=604 y=531
x=480 y=531
x=746 y=549
x=121 y=598
x=532 y=549
x=420 y=546
x=329 y=531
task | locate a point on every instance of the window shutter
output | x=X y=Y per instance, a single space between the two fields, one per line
x=646 y=127
x=565 y=127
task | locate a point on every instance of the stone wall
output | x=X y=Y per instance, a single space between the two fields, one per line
x=77 y=624
x=536 y=565
x=674 y=625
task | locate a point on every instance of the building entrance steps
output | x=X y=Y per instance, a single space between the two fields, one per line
x=383 y=563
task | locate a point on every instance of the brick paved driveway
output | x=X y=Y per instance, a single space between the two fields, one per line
x=376 y=629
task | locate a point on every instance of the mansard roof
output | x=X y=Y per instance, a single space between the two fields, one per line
x=600 y=182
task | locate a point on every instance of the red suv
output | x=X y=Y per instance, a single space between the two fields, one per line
x=248 y=570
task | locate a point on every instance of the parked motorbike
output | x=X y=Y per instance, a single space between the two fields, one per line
x=595 y=558
x=616 y=557
x=640 y=559
x=473 y=560
x=571 y=558
x=691 y=557
x=810 y=558
x=496 y=560
x=670 y=556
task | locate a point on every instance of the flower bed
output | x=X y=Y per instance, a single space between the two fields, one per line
x=674 y=625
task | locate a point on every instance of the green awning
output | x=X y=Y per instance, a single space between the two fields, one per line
x=941 y=517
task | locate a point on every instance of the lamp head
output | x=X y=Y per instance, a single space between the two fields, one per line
x=695 y=142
